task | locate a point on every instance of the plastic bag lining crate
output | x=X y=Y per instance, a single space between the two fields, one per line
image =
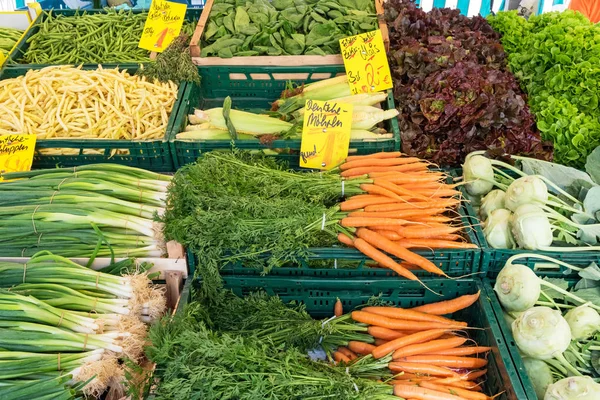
x=253 y=89
x=517 y=360
x=153 y=155
x=493 y=260
x=319 y=297
x=21 y=48
x=455 y=262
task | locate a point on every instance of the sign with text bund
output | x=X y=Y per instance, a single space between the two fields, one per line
x=163 y=25
x=16 y=153
x=366 y=63
x=325 y=134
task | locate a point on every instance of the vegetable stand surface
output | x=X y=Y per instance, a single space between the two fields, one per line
x=320 y=295
x=150 y=154
x=255 y=88
x=99 y=37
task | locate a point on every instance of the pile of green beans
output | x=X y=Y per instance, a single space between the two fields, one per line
x=8 y=38
x=109 y=37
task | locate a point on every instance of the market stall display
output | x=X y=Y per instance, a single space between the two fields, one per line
x=555 y=57
x=452 y=88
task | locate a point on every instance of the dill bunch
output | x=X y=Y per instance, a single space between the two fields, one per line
x=174 y=64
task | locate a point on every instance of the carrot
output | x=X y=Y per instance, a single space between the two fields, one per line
x=461 y=351
x=399 y=178
x=401 y=313
x=347 y=352
x=419 y=337
x=387 y=245
x=345 y=239
x=379 y=342
x=413 y=205
x=434 y=244
x=379 y=332
x=421 y=393
x=400 y=168
x=397 y=214
x=407 y=376
x=391 y=235
x=400 y=324
x=421 y=348
x=383 y=259
x=386 y=162
x=381 y=191
x=432 y=218
x=361 y=348
x=398 y=190
x=439 y=193
x=414 y=232
x=469 y=376
x=476 y=387
x=423 y=369
x=380 y=155
x=338 y=308
x=448 y=306
x=340 y=357
x=357 y=204
x=466 y=394
x=446 y=361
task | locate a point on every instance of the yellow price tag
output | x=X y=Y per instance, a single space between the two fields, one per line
x=163 y=25
x=16 y=152
x=325 y=134
x=366 y=63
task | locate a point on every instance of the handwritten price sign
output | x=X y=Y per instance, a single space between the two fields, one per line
x=325 y=134
x=366 y=63
x=163 y=25
x=16 y=153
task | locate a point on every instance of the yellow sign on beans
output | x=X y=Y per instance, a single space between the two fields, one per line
x=163 y=25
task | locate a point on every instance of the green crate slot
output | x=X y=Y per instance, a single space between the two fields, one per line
x=454 y=262
x=255 y=88
x=153 y=155
x=320 y=295
x=493 y=260
x=19 y=51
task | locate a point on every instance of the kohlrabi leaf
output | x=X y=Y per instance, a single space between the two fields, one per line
x=592 y=166
x=586 y=284
x=558 y=174
x=595 y=360
x=589 y=233
x=590 y=294
x=561 y=283
x=579 y=189
x=591 y=204
x=592 y=272
x=582 y=219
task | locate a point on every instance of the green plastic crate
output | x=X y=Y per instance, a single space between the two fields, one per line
x=320 y=295
x=255 y=88
x=19 y=51
x=153 y=155
x=455 y=262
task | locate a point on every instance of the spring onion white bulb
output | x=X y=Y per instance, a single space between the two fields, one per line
x=540 y=375
x=494 y=200
x=518 y=287
x=526 y=190
x=531 y=227
x=574 y=388
x=478 y=175
x=584 y=321
x=541 y=333
x=497 y=230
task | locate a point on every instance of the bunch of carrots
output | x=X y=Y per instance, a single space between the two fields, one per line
x=405 y=207
x=430 y=358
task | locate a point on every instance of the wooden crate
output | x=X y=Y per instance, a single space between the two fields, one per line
x=333 y=59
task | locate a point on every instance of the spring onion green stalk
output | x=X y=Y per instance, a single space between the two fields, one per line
x=103 y=210
x=54 y=388
x=15 y=364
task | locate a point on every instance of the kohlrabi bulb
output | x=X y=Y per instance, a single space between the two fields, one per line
x=526 y=190
x=539 y=374
x=494 y=200
x=541 y=333
x=573 y=388
x=478 y=175
x=497 y=230
x=531 y=227
x=517 y=287
x=584 y=322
